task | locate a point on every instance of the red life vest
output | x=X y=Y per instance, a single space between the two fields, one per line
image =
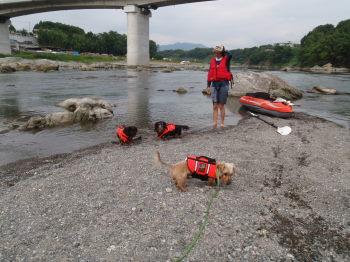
x=120 y=133
x=201 y=166
x=220 y=72
x=169 y=128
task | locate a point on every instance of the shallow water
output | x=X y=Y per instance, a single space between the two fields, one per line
x=136 y=94
x=139 y=102
x=332 y=107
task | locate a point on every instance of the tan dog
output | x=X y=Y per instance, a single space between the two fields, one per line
x=180 y=172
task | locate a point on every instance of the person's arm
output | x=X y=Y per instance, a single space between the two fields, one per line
x=228 y=63
x=228 y=55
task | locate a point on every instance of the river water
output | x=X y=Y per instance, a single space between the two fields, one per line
x=139 y=102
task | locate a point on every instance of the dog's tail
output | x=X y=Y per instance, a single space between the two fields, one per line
x=185 y=127
x=159 y=161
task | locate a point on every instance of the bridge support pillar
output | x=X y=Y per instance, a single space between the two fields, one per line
x=5 y=46
x=138 y=35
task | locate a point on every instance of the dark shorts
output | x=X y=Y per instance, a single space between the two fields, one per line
x=219 y=91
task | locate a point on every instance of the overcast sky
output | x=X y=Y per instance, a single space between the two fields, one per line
x=234 y=23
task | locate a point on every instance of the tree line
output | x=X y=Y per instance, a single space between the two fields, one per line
x=324 y=44
x=74 y=38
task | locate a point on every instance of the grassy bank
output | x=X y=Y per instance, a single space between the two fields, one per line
x=63 y=57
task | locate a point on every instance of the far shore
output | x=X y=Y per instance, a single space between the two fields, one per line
x=14 y=64
x=289 y=200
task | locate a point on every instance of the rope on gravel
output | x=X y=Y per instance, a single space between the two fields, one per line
x=204 y=223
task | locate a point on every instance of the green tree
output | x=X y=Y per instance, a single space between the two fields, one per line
x=12 y=29
x=68 y=29
x=153 y=48
x=23 y=32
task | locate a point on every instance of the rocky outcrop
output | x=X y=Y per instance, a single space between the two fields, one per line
x=247 y=82
x=328 y=68
x=7 y=69
x=13 y=64
x=78 y=110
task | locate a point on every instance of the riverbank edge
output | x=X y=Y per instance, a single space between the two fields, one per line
x=14 y=64
x=22 y=169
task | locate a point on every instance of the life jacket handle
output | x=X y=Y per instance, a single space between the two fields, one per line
x=210 y=160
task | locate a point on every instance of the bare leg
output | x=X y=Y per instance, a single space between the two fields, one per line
x=215 y=114
x=222 y=114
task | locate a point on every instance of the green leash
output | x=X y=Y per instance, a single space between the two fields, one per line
x=204 y=222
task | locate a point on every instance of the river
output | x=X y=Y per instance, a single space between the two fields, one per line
x=140 y=102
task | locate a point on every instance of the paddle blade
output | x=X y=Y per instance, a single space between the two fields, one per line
x=284 y=130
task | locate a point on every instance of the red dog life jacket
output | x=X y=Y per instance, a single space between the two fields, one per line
x=202 y=166
x=120 y=133
x=169 y=128
x=220 y=72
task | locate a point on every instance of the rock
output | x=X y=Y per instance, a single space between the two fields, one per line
x=50 y=120
x=245 y=82
x=78 y=110
x=72 y=104
x=143 y=68
x=91 y=77
x=170 y=69
x=46 y=68
x=324 y=90
x=286 y=69
x=7 y=69
x=22 y=67
x=181 y=90
x=4 y=131
x=316 y=68
x=328 y=68
x=167 y=70
x=86 y=68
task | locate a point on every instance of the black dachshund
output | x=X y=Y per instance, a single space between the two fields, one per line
x=170 y=130
x=127 y=134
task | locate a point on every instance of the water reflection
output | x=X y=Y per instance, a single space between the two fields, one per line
x=9 y=105
x=138 y=113
x=233 y=106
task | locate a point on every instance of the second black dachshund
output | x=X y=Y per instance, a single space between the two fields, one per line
x=165 y=131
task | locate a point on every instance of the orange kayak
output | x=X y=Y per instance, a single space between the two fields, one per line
x=266 y=107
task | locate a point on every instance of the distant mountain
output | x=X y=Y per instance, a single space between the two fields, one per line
x=183 y=46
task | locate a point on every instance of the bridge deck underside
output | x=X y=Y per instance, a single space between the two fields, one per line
x=12 y=8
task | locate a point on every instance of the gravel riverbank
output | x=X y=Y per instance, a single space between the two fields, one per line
x=288 y=202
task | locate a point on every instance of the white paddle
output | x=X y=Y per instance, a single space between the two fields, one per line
x=282 y=130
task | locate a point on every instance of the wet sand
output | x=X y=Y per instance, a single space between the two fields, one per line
x=288 y=202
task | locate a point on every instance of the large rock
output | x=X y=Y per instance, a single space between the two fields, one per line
x=248 y=82
x=78 y=110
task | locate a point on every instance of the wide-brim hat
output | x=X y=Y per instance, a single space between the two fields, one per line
x=219 y=48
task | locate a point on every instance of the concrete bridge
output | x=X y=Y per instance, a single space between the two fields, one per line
x=138 y=14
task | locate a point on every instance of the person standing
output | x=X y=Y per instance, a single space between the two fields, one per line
x=219 y=77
